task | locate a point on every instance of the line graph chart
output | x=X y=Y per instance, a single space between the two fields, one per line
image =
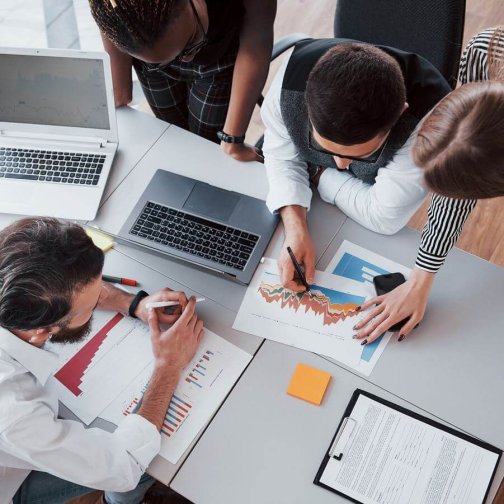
x=330 y=304
x=320 y=321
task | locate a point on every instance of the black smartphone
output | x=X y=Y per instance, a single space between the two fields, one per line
x=387 y=283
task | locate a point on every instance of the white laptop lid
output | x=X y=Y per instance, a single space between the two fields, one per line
x=57 y=92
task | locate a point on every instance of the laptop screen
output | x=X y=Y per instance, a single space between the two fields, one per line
x=53 y=91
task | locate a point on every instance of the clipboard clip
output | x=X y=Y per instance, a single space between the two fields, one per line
x=341 y=439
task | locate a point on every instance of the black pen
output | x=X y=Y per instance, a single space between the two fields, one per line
x=299 y=271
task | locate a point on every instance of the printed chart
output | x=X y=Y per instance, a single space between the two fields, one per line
x=361 y=265
x=320 y=321
x=331 y=305
x=205 y=382
x=96 y=371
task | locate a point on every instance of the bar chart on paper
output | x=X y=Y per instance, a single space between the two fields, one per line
x=95 y=371
x=359 y=264
x=203 y=385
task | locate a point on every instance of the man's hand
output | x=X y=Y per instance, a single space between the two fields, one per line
x=298 y=239
x=242 y=152
x=174 y=348
x=407 y=300
x=163 y=295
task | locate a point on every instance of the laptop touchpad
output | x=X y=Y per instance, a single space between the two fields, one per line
x=211 y=202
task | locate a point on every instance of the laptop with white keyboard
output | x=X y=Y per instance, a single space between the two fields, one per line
x=58 y=131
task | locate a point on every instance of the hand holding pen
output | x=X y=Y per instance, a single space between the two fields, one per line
x=299 y=271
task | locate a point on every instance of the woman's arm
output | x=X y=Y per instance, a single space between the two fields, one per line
x=121 y=72
x=250 y=72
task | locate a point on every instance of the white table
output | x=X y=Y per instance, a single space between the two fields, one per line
x=450 y=369
x=443 y=369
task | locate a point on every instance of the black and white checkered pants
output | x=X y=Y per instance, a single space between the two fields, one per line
x=191 y=96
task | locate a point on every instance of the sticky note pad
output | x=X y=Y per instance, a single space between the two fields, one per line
x=101 y=240
x=308 y=383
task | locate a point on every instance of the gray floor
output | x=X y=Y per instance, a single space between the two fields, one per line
x=65 y=24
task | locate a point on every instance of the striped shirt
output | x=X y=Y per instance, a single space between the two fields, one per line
x=446 y=216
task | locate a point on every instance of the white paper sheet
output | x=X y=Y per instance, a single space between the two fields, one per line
x=361 y=265
x=94 y=372
x=320 y=322
x=393 y=458
x=204 y=385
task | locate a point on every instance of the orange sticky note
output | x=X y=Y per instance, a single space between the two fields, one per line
x=308 y=383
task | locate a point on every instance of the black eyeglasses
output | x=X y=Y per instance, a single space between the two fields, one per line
x=189 y=50
x=372 y=158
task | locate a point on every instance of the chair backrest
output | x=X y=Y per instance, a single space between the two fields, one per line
x=431 y=28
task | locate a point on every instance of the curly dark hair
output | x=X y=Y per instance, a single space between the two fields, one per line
x=43 y=262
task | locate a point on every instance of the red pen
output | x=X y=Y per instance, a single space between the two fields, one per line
x=118 y=280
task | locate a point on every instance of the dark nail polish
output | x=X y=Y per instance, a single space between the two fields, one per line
x=355 y=336
x=355 y=327
x=358 y=309
x=364 y=342
x=401 y=337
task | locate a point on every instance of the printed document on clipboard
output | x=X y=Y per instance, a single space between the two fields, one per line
x=383 y=453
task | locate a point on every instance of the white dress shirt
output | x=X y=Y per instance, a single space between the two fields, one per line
x=33 y=438
x=384 y=207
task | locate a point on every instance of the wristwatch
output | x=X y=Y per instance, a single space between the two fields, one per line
x=224 y=137
x=135 y=302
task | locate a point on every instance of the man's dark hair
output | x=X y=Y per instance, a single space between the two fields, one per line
x=43 y=262
x=355 y=92
x=135 y=25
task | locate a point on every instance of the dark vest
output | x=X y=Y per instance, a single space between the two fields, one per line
x=425 y=86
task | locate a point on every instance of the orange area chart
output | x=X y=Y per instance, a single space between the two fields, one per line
x=333 y=305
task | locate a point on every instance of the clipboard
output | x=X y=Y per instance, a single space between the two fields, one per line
x=347 y=424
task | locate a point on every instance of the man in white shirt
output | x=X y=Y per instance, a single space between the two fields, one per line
x=50 y=284
x=351 y=108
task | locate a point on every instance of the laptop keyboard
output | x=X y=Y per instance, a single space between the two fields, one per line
x=51 y=166
x=200 y=237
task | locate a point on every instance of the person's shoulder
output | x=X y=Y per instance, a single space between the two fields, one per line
x=19 y=391
x=481 y=41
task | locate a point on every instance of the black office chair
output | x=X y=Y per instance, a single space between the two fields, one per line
x=431 y=28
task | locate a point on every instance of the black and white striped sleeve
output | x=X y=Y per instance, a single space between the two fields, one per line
x=446 y=218
x=474 y=60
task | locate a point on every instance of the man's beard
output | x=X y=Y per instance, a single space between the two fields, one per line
x=67 y=335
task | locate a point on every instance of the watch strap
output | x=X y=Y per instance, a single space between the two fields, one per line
x=224 y=137
x=135 y=302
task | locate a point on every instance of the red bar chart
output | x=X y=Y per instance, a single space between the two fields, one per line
x=72 y=373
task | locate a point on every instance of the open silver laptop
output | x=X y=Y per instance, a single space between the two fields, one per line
x=184 y=218
x=58 y=131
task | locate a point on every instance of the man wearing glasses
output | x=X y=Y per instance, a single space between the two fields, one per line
x=202 y=64
x=342 y=114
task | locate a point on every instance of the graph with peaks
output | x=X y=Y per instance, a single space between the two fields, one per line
x=94 y=372
x=319 y=321
x=333 y=306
